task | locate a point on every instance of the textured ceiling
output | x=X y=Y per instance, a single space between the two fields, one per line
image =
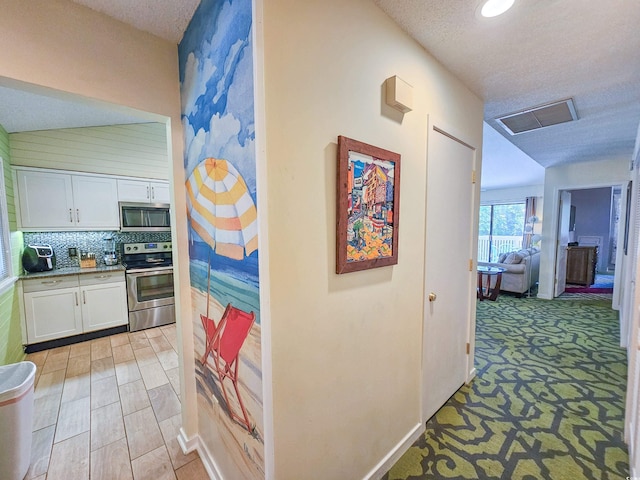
x=538 y=52
x=167 y=19
x=23 y=110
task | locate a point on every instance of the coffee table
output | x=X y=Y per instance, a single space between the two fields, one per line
x=484 y=282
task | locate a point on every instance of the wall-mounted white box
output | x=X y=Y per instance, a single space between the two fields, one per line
x=399 y=94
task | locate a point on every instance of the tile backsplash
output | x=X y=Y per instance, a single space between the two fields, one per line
x=89 y=241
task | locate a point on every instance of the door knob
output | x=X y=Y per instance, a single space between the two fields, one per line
x=432 y=297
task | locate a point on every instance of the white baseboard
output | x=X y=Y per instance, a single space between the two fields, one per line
x=195 y=443
x=395 y=453
x=187 y=445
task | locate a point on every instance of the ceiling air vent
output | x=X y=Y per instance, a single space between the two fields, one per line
x=539 y=117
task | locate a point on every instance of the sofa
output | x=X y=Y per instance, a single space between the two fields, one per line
x=521 y=270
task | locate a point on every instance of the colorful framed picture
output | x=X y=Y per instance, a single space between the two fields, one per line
x=368 y=206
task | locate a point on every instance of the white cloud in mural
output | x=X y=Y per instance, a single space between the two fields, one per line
x=229 y=65
x=194 y=84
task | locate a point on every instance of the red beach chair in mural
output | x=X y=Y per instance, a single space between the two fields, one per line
x=224 y=342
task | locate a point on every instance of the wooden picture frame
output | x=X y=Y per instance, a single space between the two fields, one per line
x=368 y=206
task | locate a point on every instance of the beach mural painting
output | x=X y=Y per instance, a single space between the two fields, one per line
x=216 y=74
x=368 y=203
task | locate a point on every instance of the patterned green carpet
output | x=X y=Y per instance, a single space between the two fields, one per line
x=547 y=402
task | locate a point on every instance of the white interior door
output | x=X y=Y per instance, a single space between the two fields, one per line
x=448 y=274
x=563 y=240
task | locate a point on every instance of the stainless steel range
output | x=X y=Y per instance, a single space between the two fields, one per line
x=149 y=274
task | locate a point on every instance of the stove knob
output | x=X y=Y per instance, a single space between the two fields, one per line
x=135 y=248
x=128 y=248
x=165 y=246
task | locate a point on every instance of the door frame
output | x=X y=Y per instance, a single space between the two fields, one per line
x=552 y=226
x=436 y=125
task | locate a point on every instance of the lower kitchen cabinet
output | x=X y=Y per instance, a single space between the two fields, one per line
x=71 y=305
x=104 y=305
x=52 y=314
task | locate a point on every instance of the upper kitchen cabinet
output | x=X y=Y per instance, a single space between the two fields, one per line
x=143 y=191
x=45 y=199
x=96 y=202
x=60 y=201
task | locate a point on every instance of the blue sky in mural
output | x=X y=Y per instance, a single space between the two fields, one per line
x=216 y=74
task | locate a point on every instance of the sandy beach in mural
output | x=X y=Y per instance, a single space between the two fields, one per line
x=232 y=434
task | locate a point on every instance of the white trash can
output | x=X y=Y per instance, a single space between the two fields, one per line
x=16 y=419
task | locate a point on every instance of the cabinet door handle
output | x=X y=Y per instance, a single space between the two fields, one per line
x=76 y=294
x=100 y=277
x=153 y=193
x=84 y=297
x=70 y=215
x=78 y=215
x=148 y=197
x=51 y=282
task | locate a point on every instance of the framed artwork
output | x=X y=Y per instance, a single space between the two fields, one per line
x=368 y=206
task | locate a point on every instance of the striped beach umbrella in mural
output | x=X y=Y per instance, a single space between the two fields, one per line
x=221 y=210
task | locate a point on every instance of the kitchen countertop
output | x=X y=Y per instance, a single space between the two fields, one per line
x=60 y=272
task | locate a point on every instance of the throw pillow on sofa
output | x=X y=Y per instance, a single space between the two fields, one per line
x=513 y=258
x=502 y=257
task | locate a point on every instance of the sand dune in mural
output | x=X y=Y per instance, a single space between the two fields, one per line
x=250 y=385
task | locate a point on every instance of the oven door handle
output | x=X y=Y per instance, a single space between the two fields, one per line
x=155 y=260
x=145 y=272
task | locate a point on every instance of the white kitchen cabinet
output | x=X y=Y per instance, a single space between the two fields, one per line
x=61 y=307
x=96 y=202
x=52 y=308
x=104 y=301
x=61 y=201
x=45 y=199
x=143 y=191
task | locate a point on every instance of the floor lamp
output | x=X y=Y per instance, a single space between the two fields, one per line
x=534 y=239
x=528 y=229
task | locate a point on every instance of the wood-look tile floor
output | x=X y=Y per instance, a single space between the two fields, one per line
x=109 y=409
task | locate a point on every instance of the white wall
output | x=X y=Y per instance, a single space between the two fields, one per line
x=138 y=150
x=346 y=349
x=570 y=177
x=60 y=48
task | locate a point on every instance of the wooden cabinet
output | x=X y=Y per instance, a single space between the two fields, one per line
x=143 y=191
x=61 y=201
x=581 y=265
x=57 y=307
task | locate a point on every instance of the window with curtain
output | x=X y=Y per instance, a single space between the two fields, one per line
x=6 y=273
x=501 y=227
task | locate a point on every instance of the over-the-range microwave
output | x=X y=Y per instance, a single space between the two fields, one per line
x=144 y=217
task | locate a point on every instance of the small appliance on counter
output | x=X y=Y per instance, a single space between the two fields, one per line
x=110 y=257
x=38 y=258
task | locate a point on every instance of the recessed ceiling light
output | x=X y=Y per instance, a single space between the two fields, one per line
x=493 y=8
